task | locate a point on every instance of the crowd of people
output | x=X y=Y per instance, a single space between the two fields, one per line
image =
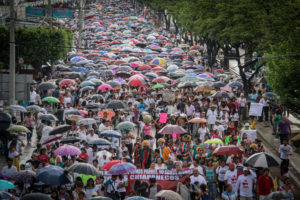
x=177 y=113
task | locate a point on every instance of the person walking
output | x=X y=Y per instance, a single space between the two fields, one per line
x=284 y=129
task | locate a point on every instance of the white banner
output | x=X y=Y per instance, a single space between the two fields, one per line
x=256 y=109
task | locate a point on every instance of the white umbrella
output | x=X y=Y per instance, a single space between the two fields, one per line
x=264 y=160
x=169 y=195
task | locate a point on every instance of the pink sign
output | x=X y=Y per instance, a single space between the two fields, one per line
x=163 y=117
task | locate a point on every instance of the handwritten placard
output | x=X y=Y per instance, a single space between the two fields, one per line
x=163 y=117
x=251 y=134
x=256 y=109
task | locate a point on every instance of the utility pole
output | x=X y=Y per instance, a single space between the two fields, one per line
x=80 y=20
x=12 y=56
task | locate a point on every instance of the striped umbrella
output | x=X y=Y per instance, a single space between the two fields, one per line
x=263 y=159
x=122 y=168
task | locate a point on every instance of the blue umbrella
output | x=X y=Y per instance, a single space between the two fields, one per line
x=81 y=69
x=137 y=198
x=270 y=95
x=5 y=195
x=236 y=84
x=77 y=59
x=52 y=175
x=100 y=142
x=111 y=134
x=5 y=185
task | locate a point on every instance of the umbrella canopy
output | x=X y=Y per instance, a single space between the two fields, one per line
x=5 y=195
x=156 y=86
x=74 y=118
x=218 y=84
x=67 y=150
x=107 y=113
x=36 y=196
x=110 y=134
x=33 y=108
x=17 y=108
x=6 y=185
x=105 y=87
x=86 y=121
x=46 y=86
x=116 y=104
x=109 y=165
x=100 y=154
x=137 y=198
x=60 y=129
x=161 y=79
x=113 y=83
x=172 y=129
x=214 y=141
x=83 y=168
x=136 y=82
x=122 y=168
x=85 y=178
x=48 y=117
x=100 y=142
x=5 y=120
x=227 y=150
x=18 y=128
x=278 y=195
x=270 y=95
x=95 y=97
x=198 y=120
x=221 y=95
x=100 y=198
x=51 y=99
x=169 y=195
x=127 y=125
x=87 y=83
x=66 y=82
x=158 y=61
x=263 y=159
x=26 y=176
x=52 y=175
x=70 y=140
x=236 y=84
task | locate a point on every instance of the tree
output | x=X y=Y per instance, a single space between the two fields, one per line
x=37 y=45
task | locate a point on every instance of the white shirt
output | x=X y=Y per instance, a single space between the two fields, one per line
x=163 y=166
x=220 y=128
x=231 y=178
x=211 y=116
x=200 y=169
x=245 y=185
x=221 y=171
x=90 y=138
x=199 y=179
x=285 y=151
x=242 y=101
x=32 y=97
x=203 y=132
x=9 y=171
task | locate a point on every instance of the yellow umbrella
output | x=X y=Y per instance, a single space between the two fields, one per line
x=214 y=141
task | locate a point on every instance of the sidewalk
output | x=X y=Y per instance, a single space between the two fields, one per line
x=264 y=132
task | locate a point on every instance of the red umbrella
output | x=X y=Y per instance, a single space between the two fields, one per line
x=219 y=70
x=136 y=82
x=227 y=150
x=161 y=79
x=157 y=69
x=144 y=67
x=108 y=165
x=66 y=82
x=53 y=139
x=109 y=113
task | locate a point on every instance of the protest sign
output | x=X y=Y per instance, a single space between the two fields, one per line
x=163 y=117
x=251 y=134
x=256 y=109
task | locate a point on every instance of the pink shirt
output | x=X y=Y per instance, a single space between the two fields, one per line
x=29 y=121
x=148 y=129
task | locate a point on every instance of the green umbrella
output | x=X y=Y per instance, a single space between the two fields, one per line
x=18 y=128
x=157 y=86
x=125 y=125
x=85 y=178
x=5 y=185
x=51 y=99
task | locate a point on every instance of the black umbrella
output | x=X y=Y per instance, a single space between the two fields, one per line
x=60 y=129
x=52 y=175
x=95 y=97
x=87 y=88
x=187 y=85
x=279 y=195
x=46 y=86
x=84 y=168
x=264 y=160
x=221 y=95
x=73 y=112
x=218 y=84
x=142 y=45
x=69 y=140
x=48 y=117
x=5 y=120
x=116 y=104
x=74 y=76
x=5 y=195
x=36 y=196
x=93 y=106
x=25 y=176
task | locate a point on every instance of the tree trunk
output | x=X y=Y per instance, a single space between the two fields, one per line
x=226 y=59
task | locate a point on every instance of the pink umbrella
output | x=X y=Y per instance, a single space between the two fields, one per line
x=226 y=88
x=161 y=79
x=67 y=150
x=105 y=86
x=136 y=82
x=172 y=129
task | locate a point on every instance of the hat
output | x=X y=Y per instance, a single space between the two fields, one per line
x=247 y=124
x=91 y=129
x=231 y=164
x=161 y=140
x=245 y=169
x=213 y=106
x=217 y=121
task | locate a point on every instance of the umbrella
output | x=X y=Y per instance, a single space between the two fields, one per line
x=113 y=83
x=270 y=95
x=100 y=154
x=66 y=82
x=67 y=150
x=187 y=85
x=263 y=159
x=137 y=198
x=17 y=108
x=122 y=168
x=169 y=195
x=5 y=195
x=136 y=82
x=198 y=120
x=33 y=108
x=5 y=120
x=86 y=88
x=85 y=178
x=109 y=165
x=161 y=79
x=218 y=84
x=87 y=83
x=278 y=195
x=48 y=117
x=95 y=97
x=36 y=196
x=221 y=95
x=116 y=104
x=46 y=86
x=172 y=129
x=51 y=99
x=86 y=121
x=52 y=138
x=100 y=142
x=74 y=118
x=158 y=62
x=105 y=87
x=236 y=84
x=157 y=86
x=60 y=129
x=110 y=134
x=100 y=198
x=52 y=175
x=227 y=150
x=73 y=112
x=26 y=176
x=83 y=168
x=125 y=126
x=6 y=185
x=18 y=128
x=68 y=140
x=109 y=113
x=214 y=141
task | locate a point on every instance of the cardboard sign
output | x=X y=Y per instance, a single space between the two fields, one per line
x=163 y=117
x=251 y=134
x=256 y=109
